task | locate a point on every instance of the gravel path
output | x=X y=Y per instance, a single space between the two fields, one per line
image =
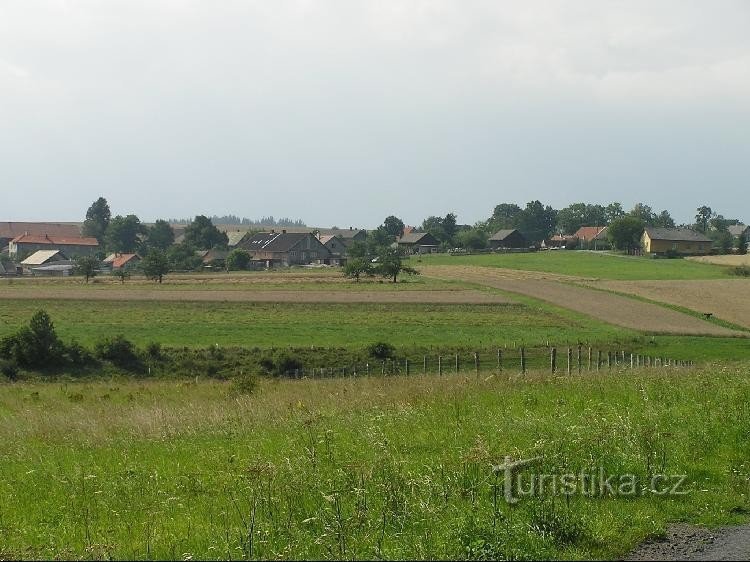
x=615 y=309
x=687 y=542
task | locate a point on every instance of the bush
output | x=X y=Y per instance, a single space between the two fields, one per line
x=287 y=365
x=36 y=346
x=245 y=383
x=740 y=271
x=381 y=350
x=9 y=369
x=78 y=355
x=120 y=352
x=153 y=350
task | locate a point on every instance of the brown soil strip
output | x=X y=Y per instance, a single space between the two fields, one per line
x=727 y=299
x=306 y=296
x=615 y=309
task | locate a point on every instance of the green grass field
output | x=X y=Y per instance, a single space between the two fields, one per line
x=375 y=468
x=602 y=265
x=198 y=324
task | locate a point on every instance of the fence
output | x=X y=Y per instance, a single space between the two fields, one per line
x=520 y=360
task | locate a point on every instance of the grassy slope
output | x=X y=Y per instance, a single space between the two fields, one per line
x=396 y=468
x=588 y=264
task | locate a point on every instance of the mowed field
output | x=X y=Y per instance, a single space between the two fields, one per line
x=607 y=307
x=728 y=299
x=377 y=468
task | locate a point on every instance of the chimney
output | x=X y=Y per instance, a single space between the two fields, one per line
x=283 y=231
x=272 y=231
x=350 y=228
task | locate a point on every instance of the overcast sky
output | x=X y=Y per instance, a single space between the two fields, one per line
x=341 y=113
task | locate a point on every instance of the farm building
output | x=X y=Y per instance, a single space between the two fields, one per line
x=418 y=243
x=10 y=230
x=737 y=230
x=560 y=241
x=508 y=238
x=122 y=261
x=674 y=240
x=285 y=248
x=592 y=238
x=347 y=235
x=235 y=237
x=72 y=245
x=48 y=262
x=336 y=246
x=213 y=258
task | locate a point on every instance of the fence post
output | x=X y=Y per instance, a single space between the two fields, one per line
x=424 y=364
x=609 y=360
x=578 y=358
x=570 y=359
x=553 y=359
x=367 y=369
x=499 y=359
x=476 y=362
x=523 y=361
x=456 y=363
x=406 y=366
x=598 y=359
x=440 y=365
x=589 y=358
x=632 y=361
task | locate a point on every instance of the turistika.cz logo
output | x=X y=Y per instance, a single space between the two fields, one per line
x=518 y=483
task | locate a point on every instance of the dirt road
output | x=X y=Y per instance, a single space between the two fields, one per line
x=615 y=309
x=687 y=542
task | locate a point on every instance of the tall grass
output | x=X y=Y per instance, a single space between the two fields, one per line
x=368 y=468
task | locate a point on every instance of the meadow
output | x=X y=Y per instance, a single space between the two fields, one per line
x=592 y=265
x=386 y=468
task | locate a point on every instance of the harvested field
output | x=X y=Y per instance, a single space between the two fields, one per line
x=728 y=299
x=723 y=260
x=619 y=310
x=280 y=296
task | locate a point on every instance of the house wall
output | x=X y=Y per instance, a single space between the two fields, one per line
x=514 y=240
x=679 y=246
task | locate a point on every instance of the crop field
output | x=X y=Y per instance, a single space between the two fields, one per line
x=729 y=260
x=728 y=299
x=373 y=468
x=606 y=307
x=590 y=265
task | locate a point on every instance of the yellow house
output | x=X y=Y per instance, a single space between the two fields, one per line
x=674 y=240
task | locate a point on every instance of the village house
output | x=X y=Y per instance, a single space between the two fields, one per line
x=10 y=230
x=737 y=230
x=507 y=239
x=418 y=243
x=560 y=241
x=213 y=258
x=48 y=262
x=683 y=241
x=73 y=246
x=336 y=246
x=347 y=235
x=592 y=238
x=285 y=248
x=122 y=261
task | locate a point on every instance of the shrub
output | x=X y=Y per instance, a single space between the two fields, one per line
x=9 y=369
x=381 y=350
x=119 y=351
x=287 y=365
x=78 y=355
x=35 y=346
x=153 y=350
x=245 y=383
x=740 y=271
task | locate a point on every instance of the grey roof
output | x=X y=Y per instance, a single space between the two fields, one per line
x=503 y=234
x=737 y=229
x=235 y=237
x=275 y=241
x=677 y=234
x=418 y=238
x=344 y=233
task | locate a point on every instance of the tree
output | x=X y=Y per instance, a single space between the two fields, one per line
x=121 y=273
x=663 y=220
x=505 y=214
x=379 y=238
x=644 y=213
x=390 y=264
x=35 y=345
x=155 y=265
x=122 y=236
x=356 y=267
x=358 y=249
x=742 y=244
x=203 y=235
x=182 y=257
x=394 y=226
x=613 y=211
x=536 y=222
x=238 y=259
x=159 y=236
x=97 y=219
x=574 y=216
x=450 y=227
x=625 y=233
x=722 y=240
x=87 y=266
x=702 y=216
x=472 y=239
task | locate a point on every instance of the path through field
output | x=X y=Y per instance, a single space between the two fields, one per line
x=307 y=296
x=615 y=309
x=728 y=299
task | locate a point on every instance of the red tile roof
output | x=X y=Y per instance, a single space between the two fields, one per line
x=11 y=229
x=588 y=232
x=54 y=240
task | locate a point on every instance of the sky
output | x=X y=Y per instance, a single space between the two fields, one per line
x=344 y=112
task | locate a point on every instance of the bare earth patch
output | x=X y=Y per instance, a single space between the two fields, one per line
x=728 y=299
x=615 y=309
x=306 y=296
